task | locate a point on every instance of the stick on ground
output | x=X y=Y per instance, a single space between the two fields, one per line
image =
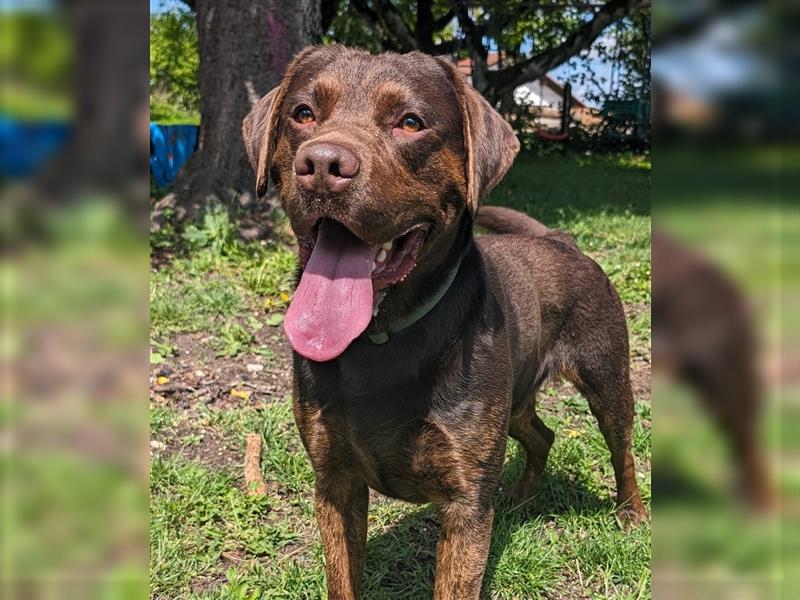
x=253 y=479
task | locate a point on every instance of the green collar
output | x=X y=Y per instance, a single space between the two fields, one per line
x=409 y=320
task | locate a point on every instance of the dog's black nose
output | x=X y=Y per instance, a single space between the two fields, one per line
x=324 y=167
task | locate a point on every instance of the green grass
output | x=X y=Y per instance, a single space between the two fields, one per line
x=201 y=520
x=216 y=281
x=164 y=113
x=211 y=541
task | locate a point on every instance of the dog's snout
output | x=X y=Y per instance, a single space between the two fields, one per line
x=325 y=167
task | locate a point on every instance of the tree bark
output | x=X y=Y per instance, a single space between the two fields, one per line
x=244 y=49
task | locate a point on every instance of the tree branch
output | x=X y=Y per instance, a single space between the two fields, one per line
x=477 y=51
x=424 y=33
x=426 y=26
x=444 y=47
x=538 y=65
x=397 y=26
x=328 y=11
x=474 y=38
x=373 y=21
x=442 y=21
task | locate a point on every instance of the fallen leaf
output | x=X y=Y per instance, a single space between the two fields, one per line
x=161 y=380
x=243 y=394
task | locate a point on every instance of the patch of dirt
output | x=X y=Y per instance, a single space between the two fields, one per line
x=640 y=378
x=197 y=443
x=196 y=374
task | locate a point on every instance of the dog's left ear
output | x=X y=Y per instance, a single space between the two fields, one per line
x=489 y=142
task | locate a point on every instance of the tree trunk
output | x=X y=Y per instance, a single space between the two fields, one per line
x=244 y=49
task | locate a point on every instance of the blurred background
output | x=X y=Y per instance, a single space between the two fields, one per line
x=726 y=244
x=76 y=141
x=73 y=190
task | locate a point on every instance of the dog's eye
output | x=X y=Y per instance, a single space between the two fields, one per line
x=411 y=123
x=303 y=114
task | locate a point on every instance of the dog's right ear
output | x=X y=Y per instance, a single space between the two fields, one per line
x=259 y=131
x=260 y=127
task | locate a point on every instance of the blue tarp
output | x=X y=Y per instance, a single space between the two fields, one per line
x=25 y=146
x=170 y=148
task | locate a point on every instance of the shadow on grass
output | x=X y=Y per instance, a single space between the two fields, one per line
x=401 y=562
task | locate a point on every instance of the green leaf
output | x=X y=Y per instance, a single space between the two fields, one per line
x=275 y=319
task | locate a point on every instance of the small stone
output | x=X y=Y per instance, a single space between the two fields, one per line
x=255 y=368
x=156 y=445
x=199 y=374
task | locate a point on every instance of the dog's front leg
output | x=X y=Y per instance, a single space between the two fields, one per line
x=341 y=505
x=462 y=551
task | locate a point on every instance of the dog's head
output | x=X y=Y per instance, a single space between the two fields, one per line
x=376 y=158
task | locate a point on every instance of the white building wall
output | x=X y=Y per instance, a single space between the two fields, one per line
x=536 y=93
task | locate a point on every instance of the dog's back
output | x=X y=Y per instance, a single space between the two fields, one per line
x=502 y=220
x=556 y=298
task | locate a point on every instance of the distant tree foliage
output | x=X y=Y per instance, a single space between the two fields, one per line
x=174 y=65
x=36 y=49
x=531 y=37
x=627 y=48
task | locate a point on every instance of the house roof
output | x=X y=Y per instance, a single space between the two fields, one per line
x=464 y=65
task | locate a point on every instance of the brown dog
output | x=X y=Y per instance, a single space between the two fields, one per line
x=418 y=348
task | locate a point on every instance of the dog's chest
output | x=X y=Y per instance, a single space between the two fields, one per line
x=399 y=450
x=434 y=455
x=412 y=430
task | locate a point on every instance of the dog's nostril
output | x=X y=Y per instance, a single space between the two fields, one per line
x=309 y=167
x=334 y=169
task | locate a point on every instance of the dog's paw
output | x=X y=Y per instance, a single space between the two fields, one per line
x=632 y=515
x=520 y=491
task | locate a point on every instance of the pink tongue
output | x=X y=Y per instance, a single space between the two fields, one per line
x=333 y=303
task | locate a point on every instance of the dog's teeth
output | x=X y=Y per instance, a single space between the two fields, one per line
x=386 y=245
x=375 y=311
x=381 y=255
x=374 y=265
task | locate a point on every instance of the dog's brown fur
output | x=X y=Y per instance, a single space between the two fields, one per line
x=425 y=417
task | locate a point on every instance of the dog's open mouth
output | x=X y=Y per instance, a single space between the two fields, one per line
x=397 y=258
x=339 y=288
